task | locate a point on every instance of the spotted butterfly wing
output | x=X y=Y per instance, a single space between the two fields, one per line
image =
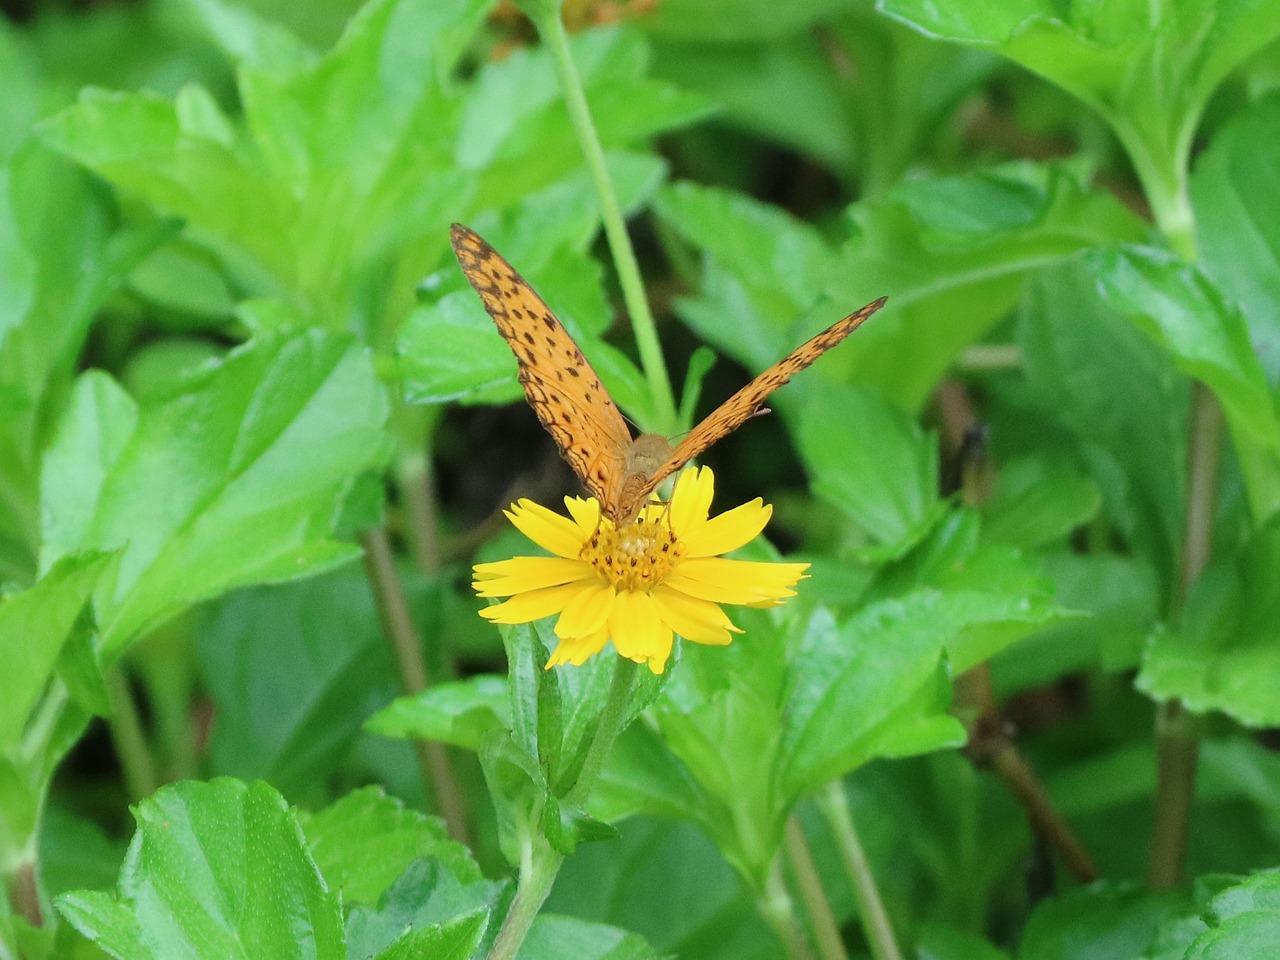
x=746 y=403
x=559 y=384
x=574 y=406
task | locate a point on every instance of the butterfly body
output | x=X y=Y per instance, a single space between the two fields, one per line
x=572 y=403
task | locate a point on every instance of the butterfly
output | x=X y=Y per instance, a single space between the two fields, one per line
x=572 y=403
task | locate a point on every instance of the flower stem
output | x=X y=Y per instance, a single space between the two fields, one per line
x=538 y=870
x=613 y=719
x=826 y=932
x=437 y=773
x=551 y=28
x=875 y=919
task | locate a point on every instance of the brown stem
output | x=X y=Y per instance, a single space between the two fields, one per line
x=397 y=626
x=1177 y=741
x=24 y=893
x=416 y=482
x=990 y=741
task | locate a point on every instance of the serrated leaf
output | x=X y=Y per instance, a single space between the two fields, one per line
x=1225 y=656
x=426 y=895
x=235 y=480
x=255 y=894
x=364 y=841
x=1037 y=500
x=459 y=712
x=1108 y=919
x=553 y=937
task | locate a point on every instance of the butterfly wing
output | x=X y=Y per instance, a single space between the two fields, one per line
x=749 y=401
x=559 y=384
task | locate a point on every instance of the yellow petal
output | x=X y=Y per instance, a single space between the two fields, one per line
x=691 y=501
x=576 y=650
x=638 y=632
x=729 y=531
x=698 y=620
x=546 y=528
x=587 y=612
x=502 y=578
x=744 y=576
x=534 y=605
x=586 y=514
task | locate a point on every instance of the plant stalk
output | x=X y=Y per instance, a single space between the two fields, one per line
x=613 y=719
x=875 y=919
x=130 y=742
x=1177 y=740
x=537 y=876
x=826 y=932
x=551 y=28
x=393 y=610
x=778 y=910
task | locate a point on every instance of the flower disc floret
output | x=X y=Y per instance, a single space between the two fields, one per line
x=639 y=585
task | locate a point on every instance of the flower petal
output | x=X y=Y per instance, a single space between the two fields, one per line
x=729 y=531
x=502 y=578
x=534 y=605
x=546 y=528
x=698 y=620
x=586 y=514
x=735 y=581
x=575 y=650
x=691 y=501
x=587 y=612
x=638 y=631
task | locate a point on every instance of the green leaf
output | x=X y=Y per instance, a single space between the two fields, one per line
x=740 y=19
x=1207 y=340
x=459 y=712
x=950 y=254
x=1235 y=192
x=867 y=125
x=1037 y=500
x=34 y=625
x=1148 y=70
x=1121 y=401
x=1225 y=655
x=232 y=481
x=455 y=939
x=1244 y=920
x=1100 y=920
x=873 y=462
x=854 y=683
x=553 y=937
x=427 y=895
x=61 y=256
x=255 y=894
x=365 y=840
x=290 y=710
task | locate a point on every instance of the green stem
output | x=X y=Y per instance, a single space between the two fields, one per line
x=393 y=609
x=551 y=28
x=875 y=919
x=538 y=870
x=613 y=719
x=826 y=932
x=130 y=742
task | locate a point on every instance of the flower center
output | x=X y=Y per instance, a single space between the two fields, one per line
x=635 y=557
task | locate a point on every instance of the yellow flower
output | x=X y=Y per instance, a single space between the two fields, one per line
x=640 y=585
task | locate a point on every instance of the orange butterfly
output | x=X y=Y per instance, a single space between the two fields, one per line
x=572 y=403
